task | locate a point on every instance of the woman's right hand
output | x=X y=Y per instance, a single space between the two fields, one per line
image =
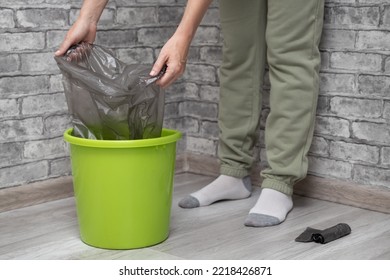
x=84 y=29
x=81 y=31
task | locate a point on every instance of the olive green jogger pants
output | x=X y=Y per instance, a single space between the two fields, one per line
x=286 y=35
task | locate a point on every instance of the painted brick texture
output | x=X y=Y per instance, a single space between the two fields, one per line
x=352 y=133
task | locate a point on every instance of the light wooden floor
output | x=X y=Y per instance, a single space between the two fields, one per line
x=50 y=231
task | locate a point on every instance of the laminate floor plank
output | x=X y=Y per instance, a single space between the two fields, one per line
x=37 y=220
x=50 y=231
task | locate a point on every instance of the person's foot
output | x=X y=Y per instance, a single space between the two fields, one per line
x=223 y=188
x=270 y=209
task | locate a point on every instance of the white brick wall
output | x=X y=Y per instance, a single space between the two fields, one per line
x=352 y=134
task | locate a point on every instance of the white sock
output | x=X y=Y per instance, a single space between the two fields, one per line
x=222 y=188
x=270 y=209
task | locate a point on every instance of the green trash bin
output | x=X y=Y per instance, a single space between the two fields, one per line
x=123 y=189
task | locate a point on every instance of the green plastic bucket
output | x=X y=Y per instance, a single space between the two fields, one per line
x=123 y=189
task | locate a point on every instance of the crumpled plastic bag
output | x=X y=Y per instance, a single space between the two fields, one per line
x=108 y=99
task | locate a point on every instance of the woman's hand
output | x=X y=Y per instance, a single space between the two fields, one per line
x=174 y=55
x=84 y=29
x=81 y=31
x=175 y=51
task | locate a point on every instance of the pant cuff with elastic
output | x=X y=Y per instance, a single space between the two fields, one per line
x=234 y=172
x=277 y=186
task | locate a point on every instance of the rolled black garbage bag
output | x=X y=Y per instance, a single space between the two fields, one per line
x=109 y=99
x=332 y=233
x=324 y=236
x=307 y=235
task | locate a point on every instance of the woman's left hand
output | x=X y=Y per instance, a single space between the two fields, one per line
x=174 y=55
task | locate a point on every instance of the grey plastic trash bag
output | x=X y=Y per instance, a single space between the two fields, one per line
x=108 y=99
x=324 y=236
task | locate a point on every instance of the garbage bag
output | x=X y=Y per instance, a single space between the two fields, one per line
x=324 y=236
x=108 y=99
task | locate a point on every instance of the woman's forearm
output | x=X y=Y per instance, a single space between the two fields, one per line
x=91 y=10
x=192 y=17
x=175 y=51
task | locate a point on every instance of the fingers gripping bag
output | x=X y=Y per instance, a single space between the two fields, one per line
x=108 y=99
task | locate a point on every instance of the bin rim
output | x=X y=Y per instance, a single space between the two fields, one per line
x=167 y=136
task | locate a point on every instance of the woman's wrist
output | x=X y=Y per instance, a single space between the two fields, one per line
x=92 y=10
x=90 y=17
x=184 y=36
